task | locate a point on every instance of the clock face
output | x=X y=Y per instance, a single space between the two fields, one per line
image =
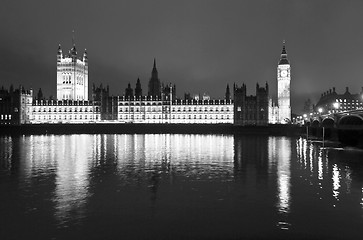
x=283 y=73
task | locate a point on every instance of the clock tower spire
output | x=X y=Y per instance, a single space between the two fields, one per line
x=283 y=87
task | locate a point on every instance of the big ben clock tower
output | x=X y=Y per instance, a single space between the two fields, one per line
x=283 y=88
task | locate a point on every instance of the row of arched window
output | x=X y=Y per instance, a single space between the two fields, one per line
x=176 y=109
x=64 y=117
x=167 y=116
x=53 y=110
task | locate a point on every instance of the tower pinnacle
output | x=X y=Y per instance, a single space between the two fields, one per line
x=154 y=83
x=154 y=73
x=59 y=50
x=283 y=58
x=73 y=43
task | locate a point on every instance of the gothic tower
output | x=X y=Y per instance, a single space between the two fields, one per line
x=129 y=92
x=138 y=89
x=154 y=83
x=283 y=88
x=72 y=75
x=228 y=94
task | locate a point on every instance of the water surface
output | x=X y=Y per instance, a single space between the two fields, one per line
x=178 y=187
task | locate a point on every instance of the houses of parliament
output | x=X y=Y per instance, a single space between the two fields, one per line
x=160 y=104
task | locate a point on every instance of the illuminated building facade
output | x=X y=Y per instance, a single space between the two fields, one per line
x=283 y=88
x=148 y=110
x=281 y=112
x=72 y=76
x=66 y=111
x=330 y=101
x=160 y=105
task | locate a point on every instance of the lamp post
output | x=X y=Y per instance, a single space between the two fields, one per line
x=336 y=106
x=307 y=127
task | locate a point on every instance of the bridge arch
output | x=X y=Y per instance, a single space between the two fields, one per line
x=351 y=120
x=328 y=122
x=350 y=130
x=315 y=123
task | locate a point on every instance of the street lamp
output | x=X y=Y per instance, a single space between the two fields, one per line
x=336 y=106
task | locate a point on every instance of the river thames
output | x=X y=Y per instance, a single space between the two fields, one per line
x=169 y=186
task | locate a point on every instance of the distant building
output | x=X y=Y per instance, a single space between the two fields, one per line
x=308 y=107
x=330 y=101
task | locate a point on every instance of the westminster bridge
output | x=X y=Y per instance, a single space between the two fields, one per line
x=345 y=126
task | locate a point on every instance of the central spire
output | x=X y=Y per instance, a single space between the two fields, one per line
x=283 y=48
x=154 y=73
x=154 y=83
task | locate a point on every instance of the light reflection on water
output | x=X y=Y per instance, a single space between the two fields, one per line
x=105 y=185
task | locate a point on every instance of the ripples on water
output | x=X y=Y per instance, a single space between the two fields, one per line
x=178 y=186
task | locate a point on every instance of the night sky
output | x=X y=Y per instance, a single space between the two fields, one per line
x=198 y=45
